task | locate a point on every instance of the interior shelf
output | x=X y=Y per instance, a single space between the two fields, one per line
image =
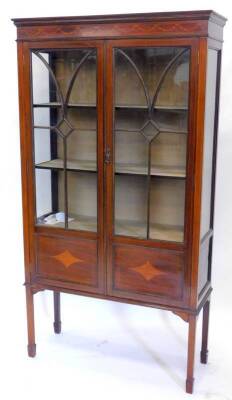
x=171 y=107
x=125 y=168
x=156 y=170
x=162 y=130
x=83 y=223
x=157 y=107
x=70 y=105
x=157 y=231
x=79 y=222
x=119 y=106
x=72 y=165
x=125 y=228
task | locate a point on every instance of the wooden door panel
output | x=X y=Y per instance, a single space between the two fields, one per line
x=145 y=272
x=68 y=260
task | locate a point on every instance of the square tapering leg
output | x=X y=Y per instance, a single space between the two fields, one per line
x=191 y=353
x=57 y=321
x=31 y=348
x=205 y=332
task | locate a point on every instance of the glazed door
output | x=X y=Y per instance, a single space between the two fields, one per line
x=65 y=137
x=148 y=131
x=67 y=141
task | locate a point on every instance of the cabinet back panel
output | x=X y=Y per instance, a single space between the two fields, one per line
x=130 y=198
x=82 y=142
x=167 y=201
x=151 y=63
x=82 y=193
x=168 y=149
x=84 y=88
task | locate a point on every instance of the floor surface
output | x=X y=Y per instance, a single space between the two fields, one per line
x=111 y=350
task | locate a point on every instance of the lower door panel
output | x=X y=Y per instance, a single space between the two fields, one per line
x=69 y=260
x=146 y=274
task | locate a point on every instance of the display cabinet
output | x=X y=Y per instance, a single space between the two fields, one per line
x=119 y=120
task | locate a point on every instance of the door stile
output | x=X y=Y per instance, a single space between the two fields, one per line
x=26 y=158
x=27 y=161
x=109 y=175
x=100 y=164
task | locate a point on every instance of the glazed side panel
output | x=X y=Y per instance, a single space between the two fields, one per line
x=205 y=164
x=209 y=166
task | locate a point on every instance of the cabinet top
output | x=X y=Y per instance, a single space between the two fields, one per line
x=156 y=17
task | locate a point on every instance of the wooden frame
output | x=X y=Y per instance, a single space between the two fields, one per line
x=103 y=256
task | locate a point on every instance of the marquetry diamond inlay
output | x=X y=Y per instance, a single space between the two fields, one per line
x=67 y=259
x=147 y=271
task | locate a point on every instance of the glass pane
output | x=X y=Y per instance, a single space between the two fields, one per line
x=82 y=201
x=150 y=139
x=130 y=205
x=167 y=209
x=49 y=199
x=211 y=87
x=65 y=137
x=82 y=143
x=44 y=142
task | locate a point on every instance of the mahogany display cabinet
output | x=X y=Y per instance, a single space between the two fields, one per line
x=119 y=120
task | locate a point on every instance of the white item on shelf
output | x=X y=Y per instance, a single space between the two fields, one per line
x=56 y=218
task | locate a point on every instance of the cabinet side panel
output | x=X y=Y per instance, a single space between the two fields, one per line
x=204 y=260
x=209 y=163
